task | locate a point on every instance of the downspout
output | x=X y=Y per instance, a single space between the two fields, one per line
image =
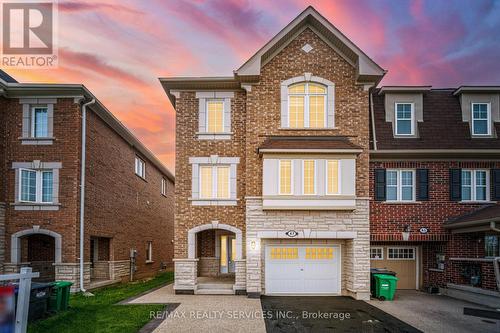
x=82 y=192
x=372 y=115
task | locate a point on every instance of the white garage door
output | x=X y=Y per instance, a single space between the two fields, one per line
x=304 y=269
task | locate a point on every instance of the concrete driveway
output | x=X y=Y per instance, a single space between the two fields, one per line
x=205 y=313
x=435 y=313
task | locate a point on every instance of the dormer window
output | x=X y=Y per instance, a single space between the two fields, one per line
x=481 y=116
x=405 y=115
x=307 y=105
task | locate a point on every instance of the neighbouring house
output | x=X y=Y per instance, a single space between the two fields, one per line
x=272 y=169
x=435 y=176
x=128 y=193
x=295 y=175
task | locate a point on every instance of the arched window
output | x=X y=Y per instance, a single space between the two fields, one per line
x=307 y=103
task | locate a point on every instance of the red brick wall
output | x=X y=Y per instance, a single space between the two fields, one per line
x=65 y=149
x=121 y=205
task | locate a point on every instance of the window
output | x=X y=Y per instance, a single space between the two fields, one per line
x=140 y=167
x=284 y=253
x=307 y=105
x=218 y=175
x=400 y=185
x=149 y=252
x=491 y=246
x=332 y=177
x=481 y=119
x=318 y=253
x=215 y=116
x=308 y=177
x=39 y=122
x=396 y=253
x=376 y=253
x=404 y=119
x=164 y=186
x=285 y=177
x=475 y=184
x=36 y=186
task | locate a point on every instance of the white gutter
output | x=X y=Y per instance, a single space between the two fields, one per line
x=82 y=190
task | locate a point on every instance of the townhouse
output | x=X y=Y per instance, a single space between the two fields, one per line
x=295 y=175
x=54 y=181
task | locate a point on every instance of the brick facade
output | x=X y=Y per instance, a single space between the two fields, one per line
x=125 y=209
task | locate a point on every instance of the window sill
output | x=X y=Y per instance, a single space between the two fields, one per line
x=28 y=206
x=402 y=202
x=475 y=202
x=436 y=270
x=141 y=177
x=149 y=262
x=37 y=141
x=307 y=129
x=213 y=202
x=214 y=136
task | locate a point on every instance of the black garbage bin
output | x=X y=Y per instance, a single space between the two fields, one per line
x=39 y=299
x=374 y=271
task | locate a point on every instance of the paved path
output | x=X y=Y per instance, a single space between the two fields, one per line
x=435 y=313
x=202 y=313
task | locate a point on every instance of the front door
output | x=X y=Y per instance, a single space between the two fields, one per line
x=227 y=253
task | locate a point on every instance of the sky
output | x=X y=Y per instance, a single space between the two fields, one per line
x=118 y=49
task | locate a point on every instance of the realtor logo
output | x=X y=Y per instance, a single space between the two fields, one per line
x=29 y=33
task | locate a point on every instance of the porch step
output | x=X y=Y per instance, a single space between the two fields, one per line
x=217 y=286
x=214 y=291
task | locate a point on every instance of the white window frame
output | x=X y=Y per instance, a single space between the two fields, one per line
x=149 y=252
x=206 y=114
x=38 y=186
x=163 y=186
x=488 y=118
x=315 y=187
x=399 y=192
x=381 y=248
x=473 y=192
x=33 y=119
x=306 y=105
x=215 y=181
x=414 y=252
x=291 y=177
x=143 y=163
x=338 y=176
x=412 y=118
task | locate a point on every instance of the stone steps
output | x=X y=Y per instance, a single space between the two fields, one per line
x=215 y=286
x=214 y=292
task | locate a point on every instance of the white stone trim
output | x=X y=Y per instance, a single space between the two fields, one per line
x=214 y=159
x=214 y=225
x=28 y=104
x=15 y=243
x=308 y=77
x=202 y=97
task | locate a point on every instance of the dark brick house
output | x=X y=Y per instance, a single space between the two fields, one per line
x=128 y=193
x=435 y=176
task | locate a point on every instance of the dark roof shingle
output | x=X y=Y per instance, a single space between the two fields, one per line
x=486 y=213
x=308 y=142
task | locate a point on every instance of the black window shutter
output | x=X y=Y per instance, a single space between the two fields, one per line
x=422 y=184
x=380 y=184
x=495 y=184
x=455 y=184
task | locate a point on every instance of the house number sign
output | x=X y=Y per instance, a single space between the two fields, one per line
x=291 y=233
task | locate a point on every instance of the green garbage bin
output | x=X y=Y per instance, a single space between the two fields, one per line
x=59 y=300
x=385 y=286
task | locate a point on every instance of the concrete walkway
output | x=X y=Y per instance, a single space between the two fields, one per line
x=435 y=313
x=203 y=313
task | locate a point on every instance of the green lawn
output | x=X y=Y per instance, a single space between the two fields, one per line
x=100 y=314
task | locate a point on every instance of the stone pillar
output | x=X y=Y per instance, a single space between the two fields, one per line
x=186 y=276
x=71 y=272
x=119 y=269
x=10 y=268
x=240 y=277
x=253 y=267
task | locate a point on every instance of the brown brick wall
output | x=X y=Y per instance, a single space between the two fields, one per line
x=122 y=206
x=187 y=145
x=65 y=149
x=264 y=108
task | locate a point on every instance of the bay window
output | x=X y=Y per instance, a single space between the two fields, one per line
x=332 y=177
x=285 y=177
x=309 y=177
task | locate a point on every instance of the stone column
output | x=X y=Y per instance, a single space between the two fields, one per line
x=240 y=277
x=253 y=267
x=186 y=276
x=71 y=272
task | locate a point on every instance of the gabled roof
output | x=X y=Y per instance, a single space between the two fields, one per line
x=486 y=214
x=368 y=70
x=6 y=77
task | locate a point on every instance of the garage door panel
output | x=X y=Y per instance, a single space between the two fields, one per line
x=314 y=270
x=406 y=268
